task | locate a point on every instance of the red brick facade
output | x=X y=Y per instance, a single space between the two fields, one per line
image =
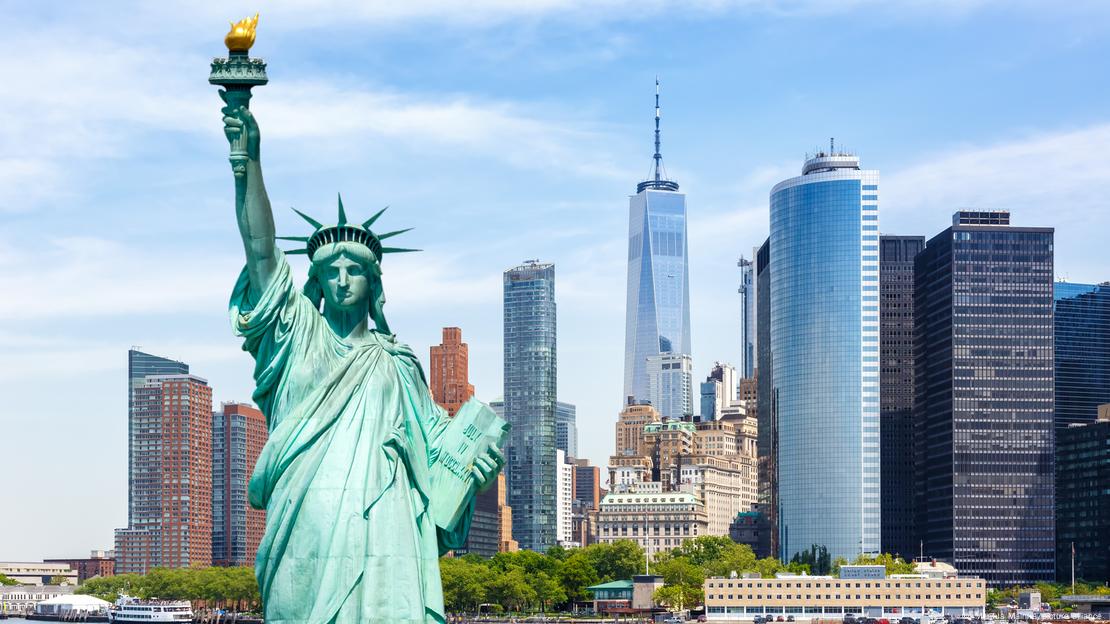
x=449 y=371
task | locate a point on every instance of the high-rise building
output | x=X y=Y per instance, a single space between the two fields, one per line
x=983 y=405
x=566 y=429
x=587 y=483
x=896 y=254
x=1082 y=328
x=766 y=409
x=747 y=292
x=670 y=377
x=718 y=391
x=1082 y=504
x=658 y=303
x=170 y=498
x=139 y=365
x=529 y=404
x=238 y=434
x=564 y=501
x=448 y=371
x=824 y=271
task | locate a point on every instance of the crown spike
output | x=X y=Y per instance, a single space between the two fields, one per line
x=296 y=252
x=342 y=213
x=393 y=233
x=386 y=250
x=299 y=239
x=367 y=223
x=313 y=222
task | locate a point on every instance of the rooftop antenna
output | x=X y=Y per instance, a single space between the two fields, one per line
x=658 y=156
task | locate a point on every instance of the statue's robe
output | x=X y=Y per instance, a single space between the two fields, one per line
x=344 y=476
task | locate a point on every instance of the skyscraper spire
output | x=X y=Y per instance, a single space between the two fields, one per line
x=658 y=180
x=658 y=155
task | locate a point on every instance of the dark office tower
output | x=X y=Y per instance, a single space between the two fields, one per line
x=139 y=365
x=896 y=255
x=529 y=313
x=983 y=408
x=1082 y=320
x=767 y=436
x=1082 y=504
x=238 y=434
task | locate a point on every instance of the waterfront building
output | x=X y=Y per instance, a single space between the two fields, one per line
x=139 y=365
x=171 y=466
x=1082 y=504
x=670 y=380
x=100 y=563
x=566 y=429
x=917 y=595
x=983 y=407
x=824 y=326
x=24 y=598
x=896 y=369
x=766 y=410
x=529 y=403
x=747 y=292
x=238 y=434
x=40 y=573
x=658 y=293
x=656 y=520
x=449 y=371
x=718 y=391
x=1082 y=337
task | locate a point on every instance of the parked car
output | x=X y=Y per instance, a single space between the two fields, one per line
x=790 y=618
x=780 y=619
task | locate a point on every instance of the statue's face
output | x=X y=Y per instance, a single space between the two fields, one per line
x=345 y=283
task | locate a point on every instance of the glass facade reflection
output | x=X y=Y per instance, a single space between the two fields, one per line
x=896 y=254
x=983 y=398
x=1082 y=322
x=529 y=403
x=824 y=335
x=658 y=304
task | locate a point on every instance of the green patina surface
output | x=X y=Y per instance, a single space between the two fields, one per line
x=365 y=480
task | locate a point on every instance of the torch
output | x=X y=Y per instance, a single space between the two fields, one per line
x=237 y=73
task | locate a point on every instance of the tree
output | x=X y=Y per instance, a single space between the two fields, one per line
x=548 y=590
x=464 y=583
x=7 y=580
x=894 y=565
x=617 y=560
x=678 y=597
x=576 y=575
x=816 y=558
x=511 y=590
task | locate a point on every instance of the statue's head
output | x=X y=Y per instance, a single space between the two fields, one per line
x=347 y=277
x=346 y=265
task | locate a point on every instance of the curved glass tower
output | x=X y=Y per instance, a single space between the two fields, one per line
x=657 y=312
x=824 y=282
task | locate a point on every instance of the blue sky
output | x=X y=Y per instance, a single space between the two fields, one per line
x=502 y=130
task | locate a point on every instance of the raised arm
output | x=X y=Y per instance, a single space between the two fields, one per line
x=252 y=205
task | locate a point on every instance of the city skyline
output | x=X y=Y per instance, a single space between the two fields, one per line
x=551 y=138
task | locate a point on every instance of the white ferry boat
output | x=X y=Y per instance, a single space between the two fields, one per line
x=128 y=609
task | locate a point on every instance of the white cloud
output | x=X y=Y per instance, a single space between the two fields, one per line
x=1055 y=179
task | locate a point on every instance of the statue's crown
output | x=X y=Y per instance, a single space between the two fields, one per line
x=344 y=232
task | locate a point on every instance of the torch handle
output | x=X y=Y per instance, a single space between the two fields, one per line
x=236 y=98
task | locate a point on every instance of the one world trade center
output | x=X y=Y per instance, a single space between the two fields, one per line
x=658 y=304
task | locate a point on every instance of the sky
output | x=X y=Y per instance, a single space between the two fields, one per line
x=501 y=130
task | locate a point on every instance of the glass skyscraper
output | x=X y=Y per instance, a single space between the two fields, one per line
x=1082 y=323
x=529 y=403
x=983 y=398
x=824 y=326
x=896 y=254
x=658 y=296
x=566 y=428
x=747 y=318
x=766 y=414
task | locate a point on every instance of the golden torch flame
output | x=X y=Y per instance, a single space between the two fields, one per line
x=241 y=36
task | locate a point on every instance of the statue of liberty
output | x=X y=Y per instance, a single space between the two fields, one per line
x=365 y=480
